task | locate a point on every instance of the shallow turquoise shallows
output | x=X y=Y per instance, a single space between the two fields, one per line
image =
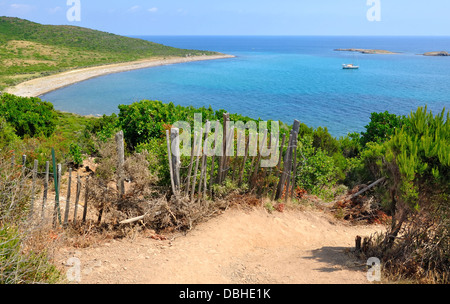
x=282 y=78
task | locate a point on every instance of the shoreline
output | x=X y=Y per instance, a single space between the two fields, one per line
x=42 y=85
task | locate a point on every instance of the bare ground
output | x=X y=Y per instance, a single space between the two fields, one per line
x=237 y=247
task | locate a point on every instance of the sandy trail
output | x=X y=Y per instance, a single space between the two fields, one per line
x=42 y=85
x=237 y=247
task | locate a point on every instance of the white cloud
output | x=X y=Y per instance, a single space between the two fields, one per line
x=134 y=9
x=153 y=10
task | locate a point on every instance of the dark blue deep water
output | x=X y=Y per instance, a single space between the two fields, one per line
x=282 y=78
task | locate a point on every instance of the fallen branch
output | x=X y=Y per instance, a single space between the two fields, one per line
x=133 y=220
x=368 y=188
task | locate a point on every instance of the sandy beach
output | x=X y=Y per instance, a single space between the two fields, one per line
x=42 y=85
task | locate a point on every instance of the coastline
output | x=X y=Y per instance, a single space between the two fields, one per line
x=42 y=85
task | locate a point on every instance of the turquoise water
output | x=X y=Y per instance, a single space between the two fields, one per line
x=282 y=78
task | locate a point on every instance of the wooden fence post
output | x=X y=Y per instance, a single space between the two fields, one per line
x=56 y=178
x=77 y=199
x=242 y=168
x=24 y=161
x=188 y=183
x=211 y=178
x=66 y=211
x=176 y=162
x=120 y=163
x=283 y=172
x=202 y=180
x=269 y=171
x=278 y=168
x=169 y=152
x=198 y=153
x=86 y=198
x=294 y=173
x=223 y=159
x=44 y=198
x=288 y=159
x=258 y=159
x=33 y=187
x=230 y=141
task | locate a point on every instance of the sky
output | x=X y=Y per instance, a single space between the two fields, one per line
x=241 y=17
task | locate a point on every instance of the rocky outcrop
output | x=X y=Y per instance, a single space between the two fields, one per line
x=442 y=53
x=366 y=51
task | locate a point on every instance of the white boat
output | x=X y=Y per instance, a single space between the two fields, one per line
x=350 y=66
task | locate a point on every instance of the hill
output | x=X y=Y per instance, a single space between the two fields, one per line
x=29 y=50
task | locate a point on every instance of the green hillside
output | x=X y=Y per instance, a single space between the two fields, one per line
x=29 y=50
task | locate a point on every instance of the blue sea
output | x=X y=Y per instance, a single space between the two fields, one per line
x=282 y=78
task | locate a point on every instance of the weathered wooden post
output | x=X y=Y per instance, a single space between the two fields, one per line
x=267 y=183
x=86 y=198
x=258 y=159
x=24 y=161
x=278 y=168
x=236 y=160
x=176 y=157
x=223 y=159
x=44 y=198
x=211 y=178
x=33 y=187
x=282 y=180
x=66 y=211
x=77 y=199
x=247 y=149
x=169 y=152
x=230 y=141
x=288 y=160
x=188 y=183
x=294 y=173
x=56 y=178
x=198 y=154
x=202 y=180
x=120 y=163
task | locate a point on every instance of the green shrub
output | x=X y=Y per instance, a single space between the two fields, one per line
x=323 y=140
x=316 y=170
x=75 y=153
x=29 y=116
x=157 y=158
x=381 y=127
x=104 y=128
x=7 y=135
x=350 y=145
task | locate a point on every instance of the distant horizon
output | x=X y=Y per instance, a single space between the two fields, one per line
x=280 y=35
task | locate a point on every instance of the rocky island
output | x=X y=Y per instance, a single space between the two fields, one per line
x=441 y=53
x=366 y=51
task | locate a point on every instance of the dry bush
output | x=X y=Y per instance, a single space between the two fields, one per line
x=421 y=252
x=142 y=197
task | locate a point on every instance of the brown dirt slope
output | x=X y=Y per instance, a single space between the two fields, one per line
x=236 y=247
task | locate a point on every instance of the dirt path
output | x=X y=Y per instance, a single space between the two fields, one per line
x=237 y=247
